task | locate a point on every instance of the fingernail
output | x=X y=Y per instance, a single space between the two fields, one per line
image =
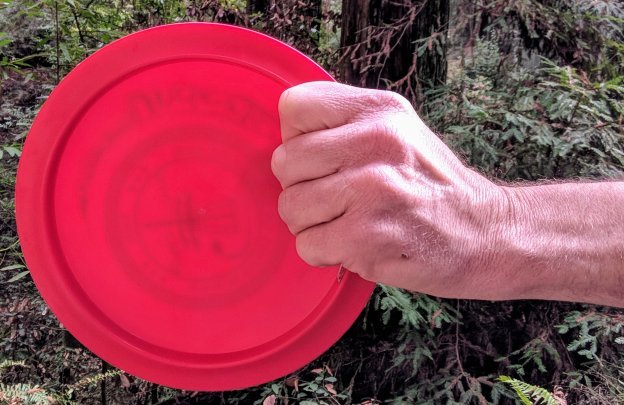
x=341 y=272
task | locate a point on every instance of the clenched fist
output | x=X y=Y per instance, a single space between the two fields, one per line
x=368 y=185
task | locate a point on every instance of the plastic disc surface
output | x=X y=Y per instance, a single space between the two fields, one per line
x=147 y=212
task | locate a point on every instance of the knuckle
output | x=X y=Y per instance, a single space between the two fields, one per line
x=307 y=249
x=289 y=207
x=397 y=102
x=284 y=206
x=290 y=104
x=386 y=142
x=392 y=184
x=373 y=176
x=293 y=96
x=285 y=101
x=386 y=133
x=277 y=160
x=386 y=100
x=384 y=190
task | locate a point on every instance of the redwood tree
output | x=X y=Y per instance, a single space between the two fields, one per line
x=398 y=45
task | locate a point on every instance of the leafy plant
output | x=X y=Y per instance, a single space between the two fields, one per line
x=66 y=396
x=415 y=311
x=531 y=394
x=24 y=394
x=532 y=124
x=532 y=355
x=320 y=389
x=592 y=330
x=11 y=363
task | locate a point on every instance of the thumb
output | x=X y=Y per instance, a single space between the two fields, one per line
x=316 y=106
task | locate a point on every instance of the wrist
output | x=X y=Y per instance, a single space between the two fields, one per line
x=503 y=249
x=525 y=265
x=485 y=265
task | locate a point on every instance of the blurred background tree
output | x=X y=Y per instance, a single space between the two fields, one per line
x=395 y=45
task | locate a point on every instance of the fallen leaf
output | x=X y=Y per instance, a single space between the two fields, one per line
x=434 y=316
x=124 y=381
x=13 y=267
x=270 y=400
x=18 y=276
x=293 y=382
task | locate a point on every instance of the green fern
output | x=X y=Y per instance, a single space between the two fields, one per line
x=24 y=394
x=65 y=398
x=94 y=379
x=11 y=363
x=529 y=394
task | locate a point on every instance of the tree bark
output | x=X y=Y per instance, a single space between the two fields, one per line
x=257 y=6
x=398 y=45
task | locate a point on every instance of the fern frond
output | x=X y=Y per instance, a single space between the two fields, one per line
x=11 y=363
x=529 y=394
x=94 y=379
x=24 y=394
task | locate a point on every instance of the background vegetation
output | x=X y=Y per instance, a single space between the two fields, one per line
x=523 y=89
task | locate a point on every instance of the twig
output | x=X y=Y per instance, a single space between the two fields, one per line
x=78 y=27
x=103 y=383
x=58 y=42
x=578 y=101
x=459 y=363
x=11 y=246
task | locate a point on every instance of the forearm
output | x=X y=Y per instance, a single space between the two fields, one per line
x=564 y=242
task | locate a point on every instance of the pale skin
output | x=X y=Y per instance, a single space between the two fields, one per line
x=368 y=185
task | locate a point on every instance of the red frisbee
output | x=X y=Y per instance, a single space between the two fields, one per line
x=147 y=211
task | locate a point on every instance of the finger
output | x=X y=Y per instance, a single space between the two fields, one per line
x=322 y=153
x=322 y=245
x=312 y=203
x=315 y=106
x=313 y=155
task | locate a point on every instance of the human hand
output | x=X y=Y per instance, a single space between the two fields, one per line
x=368 y=185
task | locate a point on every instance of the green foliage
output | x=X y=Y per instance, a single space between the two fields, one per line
x=531 y=124
x=532 y=355
x=66 y=396
x=420 y=317
x=530 y=394
x=21 y=393
x=320 y=389
x=10 y=150
x=34 y=394
x=602 y=383
x=24 y=394
x=416 y=311
x=592 y=330
x=11 y=363
x=233 y=5
x=586 y=35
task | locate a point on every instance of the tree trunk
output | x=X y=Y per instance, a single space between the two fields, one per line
x=398 y=45
x=257 y=6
